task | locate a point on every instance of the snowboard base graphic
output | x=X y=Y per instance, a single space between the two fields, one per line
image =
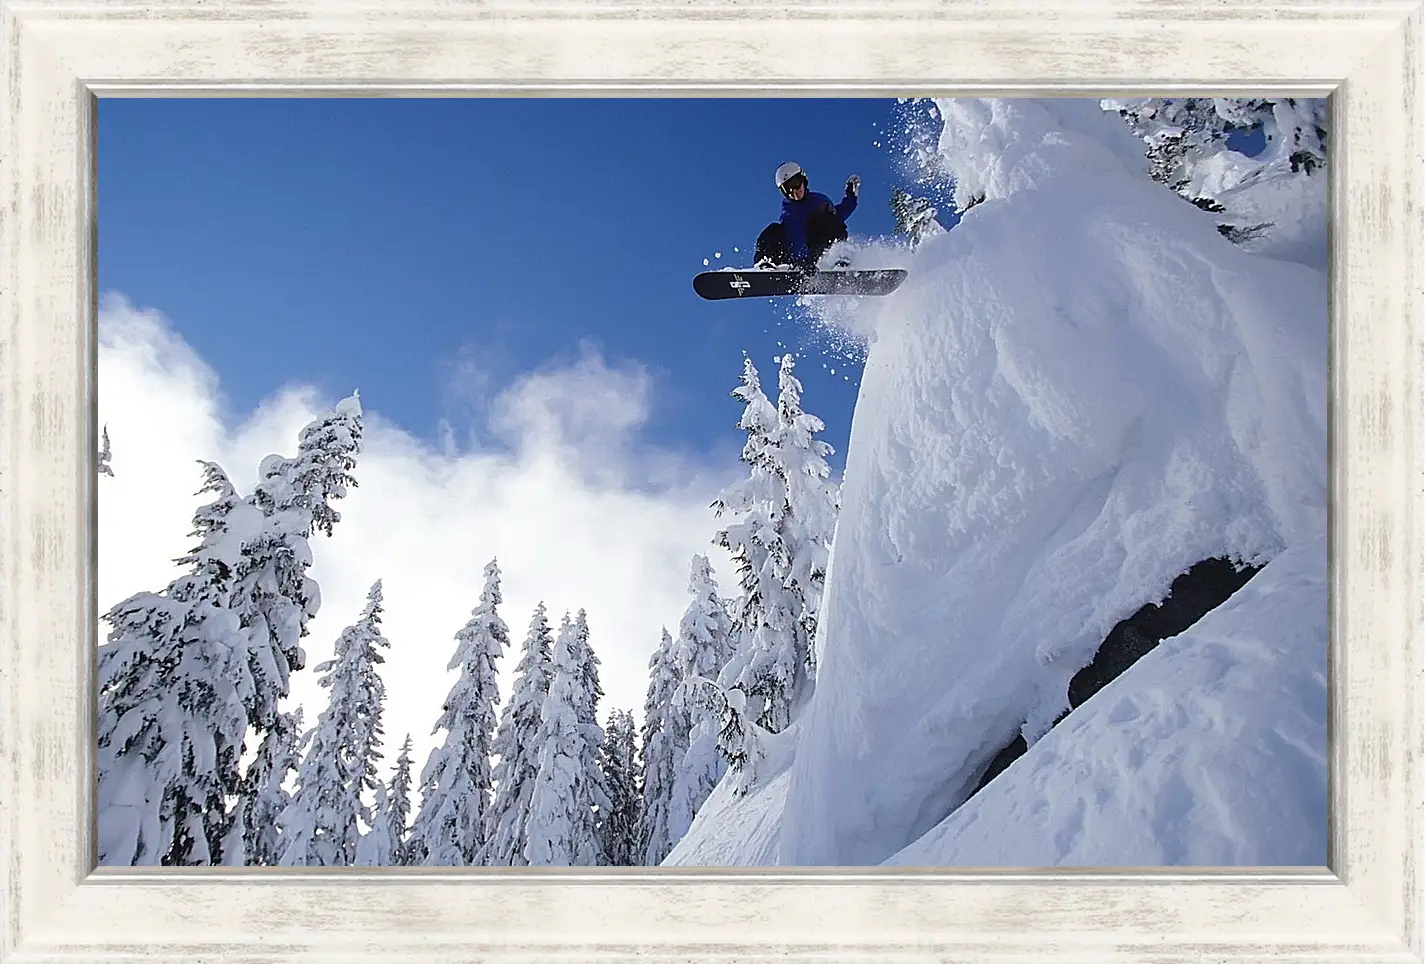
x=773 y=282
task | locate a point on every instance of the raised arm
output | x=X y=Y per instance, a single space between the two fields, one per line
x=848 y=203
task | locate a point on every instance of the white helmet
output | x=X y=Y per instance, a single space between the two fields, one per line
x=786 y=172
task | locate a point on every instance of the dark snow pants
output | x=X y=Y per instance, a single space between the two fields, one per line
x=824 y=229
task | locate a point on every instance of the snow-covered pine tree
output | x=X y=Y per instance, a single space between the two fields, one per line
x=105 y=455
x=705 y=641
x=915 y=216
x=253 y=838
x=590 y=692
x=375 y=847
x=747 y=498
x=384 y=845
x=813 y=503
x=450 y=827
x=702 y=648
x=515 y=748
x=274 y=596
x=590 y=688
x=321 y=826
x=566 y=797
x=1187 y=148
x=398 y=809
x=665 y=741
x=171 y=727
x=326 y=454
x=618 y=759
x=1178 y=132
x=740 y=739
x=749 y=501
x=1294 y=128
x=780 y=547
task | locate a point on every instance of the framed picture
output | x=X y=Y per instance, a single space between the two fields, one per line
x=882 y=878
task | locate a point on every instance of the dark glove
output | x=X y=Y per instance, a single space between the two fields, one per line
x=853 y=186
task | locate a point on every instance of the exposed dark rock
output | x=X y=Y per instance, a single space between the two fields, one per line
x=1204 y=587
x=1010 y=752
x=1241 y=234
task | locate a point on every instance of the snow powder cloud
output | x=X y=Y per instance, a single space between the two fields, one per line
x=577 y=509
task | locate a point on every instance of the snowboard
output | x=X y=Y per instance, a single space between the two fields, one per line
x=772 y=282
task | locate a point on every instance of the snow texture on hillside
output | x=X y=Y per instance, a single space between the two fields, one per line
x=1080 y=391
x=741 y=831
x=1210 y=751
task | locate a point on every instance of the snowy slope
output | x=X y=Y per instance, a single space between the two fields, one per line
x=1294 y=207
x=731 y=830
x=1081 y=390
x=1210 y=750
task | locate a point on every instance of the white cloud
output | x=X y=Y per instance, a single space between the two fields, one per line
x=584 y=407
x=578 y=510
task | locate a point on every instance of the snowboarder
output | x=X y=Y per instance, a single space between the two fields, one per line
x=809 y=224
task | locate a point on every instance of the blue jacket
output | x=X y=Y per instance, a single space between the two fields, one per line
x=795 y=214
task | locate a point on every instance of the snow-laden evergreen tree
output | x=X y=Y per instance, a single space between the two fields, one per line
x=105 y=455
x=749 y=500
x=702 y=648
x=384 y=845
x=1178 y=132
x=567 y=795
x=321 y=826
x=780 y=547
x=449 y=829
x=915 y=216
x=1294 y=128
x=1187 y=146
x=590 y=691
x=813 y=503
x=516 y=749
x=705 y=641
x=274 y=596
x=171 y=725
x=253 y=838
x=665 y=741
x=377 y=846
x=398 y=810
x=618 y=759
x=589 y=686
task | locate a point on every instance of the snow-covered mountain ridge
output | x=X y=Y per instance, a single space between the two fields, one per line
x=1083 y=390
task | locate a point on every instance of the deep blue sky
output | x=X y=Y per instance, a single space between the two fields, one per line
x=363 y=243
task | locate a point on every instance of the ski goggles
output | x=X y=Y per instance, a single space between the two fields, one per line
x=795 y=181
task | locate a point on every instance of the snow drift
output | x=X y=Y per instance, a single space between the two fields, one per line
x=1211 y=750
x=1082 y=390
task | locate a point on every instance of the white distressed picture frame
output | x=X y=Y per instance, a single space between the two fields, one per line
x=60 y=55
